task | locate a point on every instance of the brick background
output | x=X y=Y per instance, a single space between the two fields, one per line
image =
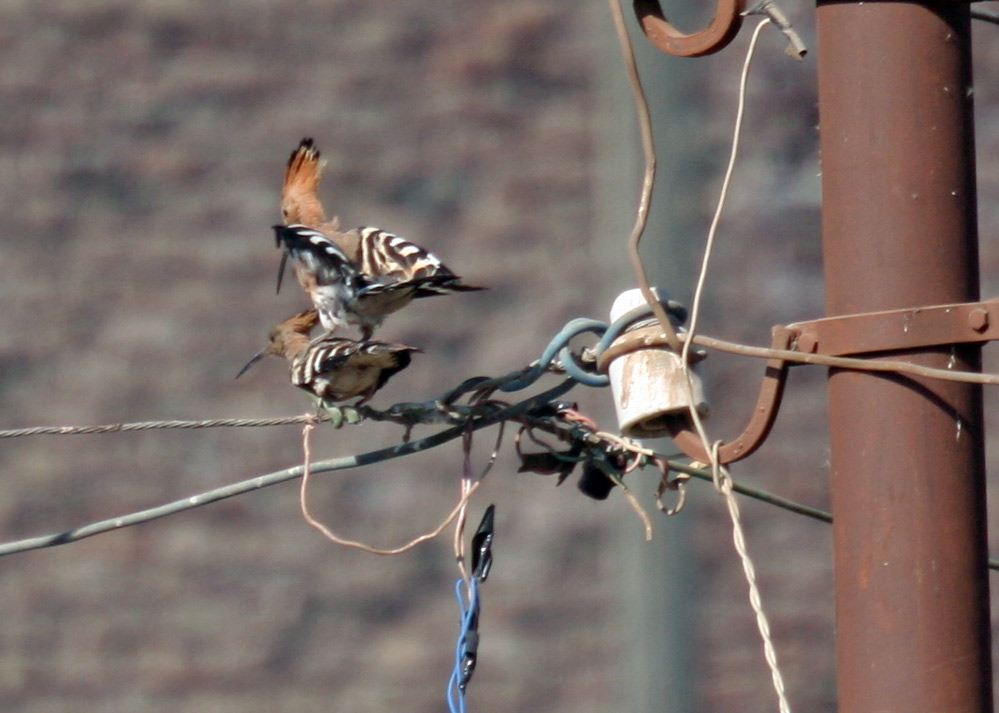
x=141 y=153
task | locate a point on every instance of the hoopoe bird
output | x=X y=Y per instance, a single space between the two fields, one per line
x=332 y=369
x=342 y=293
x=378 y=254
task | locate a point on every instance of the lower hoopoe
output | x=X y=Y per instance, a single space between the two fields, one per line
x=333 y=369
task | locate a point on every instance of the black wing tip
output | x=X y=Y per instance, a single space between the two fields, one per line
x=403 y=359
x=444 y=285
x=284 y=233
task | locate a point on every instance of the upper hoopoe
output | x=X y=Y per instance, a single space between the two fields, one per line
x=377 y=253
x=341 y=292
x=332 y=368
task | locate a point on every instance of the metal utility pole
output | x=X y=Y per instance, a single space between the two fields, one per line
x=908 y=480
x=901 y=258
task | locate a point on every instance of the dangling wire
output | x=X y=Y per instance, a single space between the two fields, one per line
x=467 y=592
x=721 y=476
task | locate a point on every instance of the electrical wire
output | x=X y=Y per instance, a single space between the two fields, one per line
x=262 y=481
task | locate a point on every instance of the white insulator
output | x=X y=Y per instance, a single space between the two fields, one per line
x=649 y=385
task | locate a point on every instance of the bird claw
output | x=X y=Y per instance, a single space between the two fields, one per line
x=340 y=415
x=329 y=412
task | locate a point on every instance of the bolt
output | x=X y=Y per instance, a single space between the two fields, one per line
x=978 y=319
x=807 y=343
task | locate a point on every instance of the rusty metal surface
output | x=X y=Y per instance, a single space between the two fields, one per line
x=899 y=231
x=762 y=420
x=635 y=340
x=723 y=28
x=892 y=330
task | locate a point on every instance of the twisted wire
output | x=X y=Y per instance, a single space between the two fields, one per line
x=153 y=426
x=722 y=478
x=467 y=641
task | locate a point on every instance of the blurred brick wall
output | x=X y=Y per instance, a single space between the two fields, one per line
x=141 y=154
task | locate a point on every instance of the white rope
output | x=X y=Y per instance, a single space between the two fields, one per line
x=722 y=478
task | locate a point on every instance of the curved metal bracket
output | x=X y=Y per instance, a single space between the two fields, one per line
x=723 y=28
x=682 y=430
x=762 y=420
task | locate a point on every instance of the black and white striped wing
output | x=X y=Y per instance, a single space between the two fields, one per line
x=324 y=355
x=318 y=254
x=338 y=368
x=385 y=256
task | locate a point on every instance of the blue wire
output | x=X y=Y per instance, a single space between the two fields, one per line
x=561 y=341
x=641 y=312
x=559 y=347
x=469 y=615
x=576 y=371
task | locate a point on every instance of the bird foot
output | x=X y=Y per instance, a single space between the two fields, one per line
x=339 y=415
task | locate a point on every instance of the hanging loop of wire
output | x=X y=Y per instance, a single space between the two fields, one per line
x=559 y=347
x=583 y=372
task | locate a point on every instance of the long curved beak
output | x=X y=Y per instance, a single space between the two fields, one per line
x=256 y=357
x=284 y=262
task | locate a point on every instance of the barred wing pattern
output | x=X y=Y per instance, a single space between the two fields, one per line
x=337 y=369
x=318 y=255
x=345 y=293
x=382 y=254
x=331 y=280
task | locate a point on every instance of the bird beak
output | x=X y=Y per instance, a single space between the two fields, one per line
x=256 y=357
x=284 y=261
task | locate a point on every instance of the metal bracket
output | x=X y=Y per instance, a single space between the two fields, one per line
x=899 y=329
x=723 y=28
x=767 y=405
x=888 y=331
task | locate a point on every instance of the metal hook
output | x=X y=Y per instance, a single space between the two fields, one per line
x=725 y=25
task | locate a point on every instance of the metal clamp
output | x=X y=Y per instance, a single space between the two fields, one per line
x=898 y=329
x=873 y=332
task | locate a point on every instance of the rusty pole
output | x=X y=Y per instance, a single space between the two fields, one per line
x=908 y=482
